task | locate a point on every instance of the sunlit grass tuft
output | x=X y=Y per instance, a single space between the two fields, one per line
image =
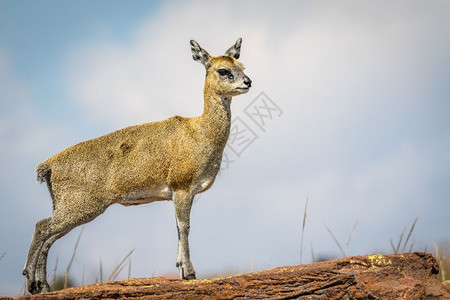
x=62 y=282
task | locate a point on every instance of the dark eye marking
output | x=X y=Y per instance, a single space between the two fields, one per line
x=223 y=72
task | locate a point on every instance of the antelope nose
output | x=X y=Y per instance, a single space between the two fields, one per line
x=247 y=81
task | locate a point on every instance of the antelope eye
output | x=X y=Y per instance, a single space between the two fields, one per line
x=223 y=72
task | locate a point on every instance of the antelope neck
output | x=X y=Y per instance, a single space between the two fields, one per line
x=216 y=117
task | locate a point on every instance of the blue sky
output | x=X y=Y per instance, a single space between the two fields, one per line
x=364 y=132
x=37 y=36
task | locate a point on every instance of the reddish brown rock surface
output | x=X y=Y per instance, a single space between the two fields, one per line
x=406 y=276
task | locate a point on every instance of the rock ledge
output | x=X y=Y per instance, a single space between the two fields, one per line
x=402 y=276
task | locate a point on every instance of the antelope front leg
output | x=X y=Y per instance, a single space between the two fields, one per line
x=183 y=203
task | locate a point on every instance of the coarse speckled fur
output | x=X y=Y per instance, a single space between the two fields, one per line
x=172 y=159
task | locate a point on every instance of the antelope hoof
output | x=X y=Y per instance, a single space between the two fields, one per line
x=43 y=286
x=184 y=273
x=37 y=287
x=187 y=277
x=34 y=288
x=31 y=283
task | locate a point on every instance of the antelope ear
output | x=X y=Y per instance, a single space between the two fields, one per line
x=235 y=50
x=200 y=54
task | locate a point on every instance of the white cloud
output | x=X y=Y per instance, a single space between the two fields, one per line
x=155 y=77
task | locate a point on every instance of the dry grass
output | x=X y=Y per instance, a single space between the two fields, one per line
x=303 y=229
x=59 y=282
x=66 y=274
x=442 y=255
x=397 y=249
x=119 y=267
x=350 y=236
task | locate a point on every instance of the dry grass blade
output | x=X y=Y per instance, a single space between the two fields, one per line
x=101 y=271
x=3 y=255
x=412 y=245
x=116 y=271
x=312 y=254
x=397 y=249
x=129 y=268
x=66 y=275
x=409 y=234
x=442 y=274
x=23 y=290
x=54 y=272
x=303 y=229
x=336 y=241
x=392 y=245
x=114 y=277
x=270 y=260
x=351 y=233
x=82 y=277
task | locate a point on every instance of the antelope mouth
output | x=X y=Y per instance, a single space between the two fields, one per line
x=242 y=89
